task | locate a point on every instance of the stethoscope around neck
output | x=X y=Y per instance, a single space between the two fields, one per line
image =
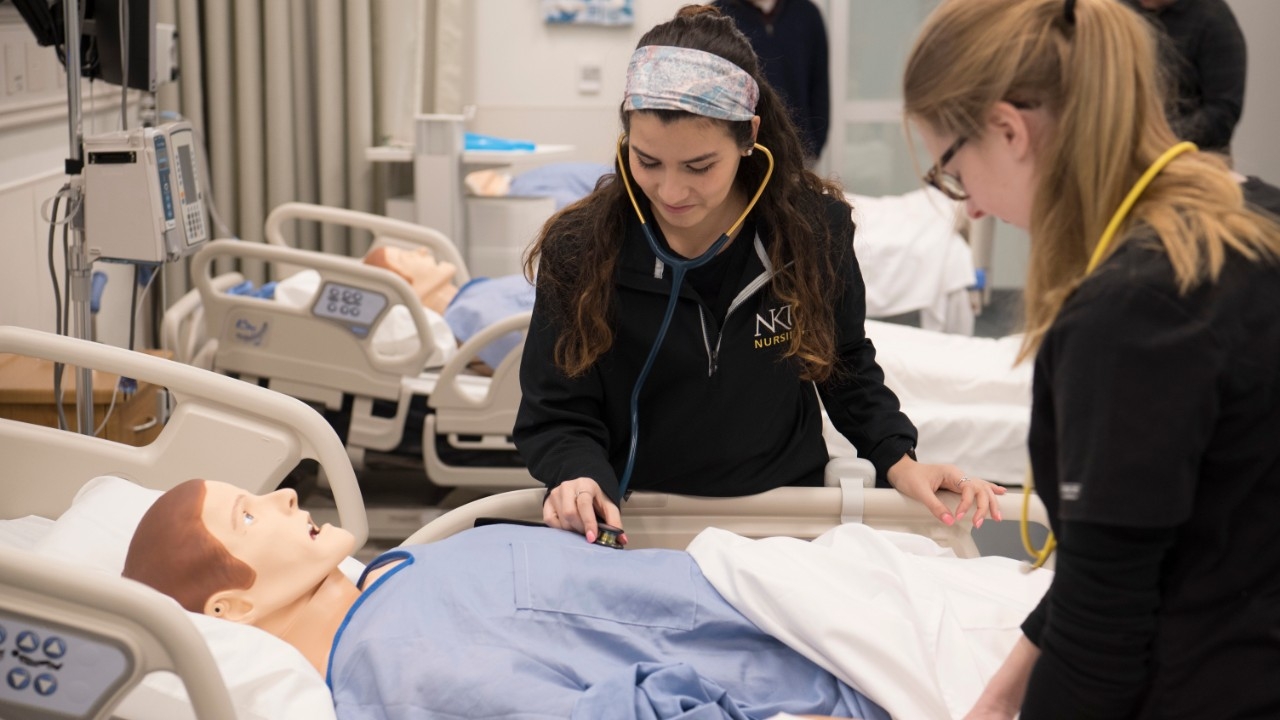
x=679 y=266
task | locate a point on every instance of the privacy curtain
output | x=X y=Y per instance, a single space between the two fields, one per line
x=282 y=92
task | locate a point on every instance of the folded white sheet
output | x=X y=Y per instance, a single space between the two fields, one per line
x=911 y=255
x=893 y=614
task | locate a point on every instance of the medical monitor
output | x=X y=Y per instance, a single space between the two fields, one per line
x=105 y=41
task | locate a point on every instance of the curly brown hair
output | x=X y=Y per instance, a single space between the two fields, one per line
x=576 y=253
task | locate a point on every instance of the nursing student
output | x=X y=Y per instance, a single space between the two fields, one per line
x=1151 y=303
x=693 y=310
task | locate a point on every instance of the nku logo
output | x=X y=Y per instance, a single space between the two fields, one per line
x=773 y=329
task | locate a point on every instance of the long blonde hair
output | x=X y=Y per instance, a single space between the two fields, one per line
x=1096 y=74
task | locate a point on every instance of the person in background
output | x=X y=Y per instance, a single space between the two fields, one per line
x=1206 y=59
x=759 y=340
x=1151 y=311
x=790 y=38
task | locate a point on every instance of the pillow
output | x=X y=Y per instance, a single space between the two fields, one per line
x=96 y=529
x=267 y=677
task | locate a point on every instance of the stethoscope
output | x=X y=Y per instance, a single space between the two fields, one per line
x=1099 y=253
x=679 y=266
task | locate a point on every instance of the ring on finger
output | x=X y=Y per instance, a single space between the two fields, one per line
x=581 y=492
x=963 y=479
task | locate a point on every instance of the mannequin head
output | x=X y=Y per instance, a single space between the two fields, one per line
x=222 y=551
x=431 y=279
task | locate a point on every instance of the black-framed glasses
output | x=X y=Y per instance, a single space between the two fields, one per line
x=949 y=184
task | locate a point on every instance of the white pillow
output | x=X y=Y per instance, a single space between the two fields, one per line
x=96 y=529
x=267 y=677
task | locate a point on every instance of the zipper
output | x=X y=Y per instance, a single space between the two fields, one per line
x=713 y=354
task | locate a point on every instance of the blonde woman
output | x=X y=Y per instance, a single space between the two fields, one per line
x=1155 y=435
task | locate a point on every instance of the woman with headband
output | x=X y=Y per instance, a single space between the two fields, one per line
x=688 y=308
x=1151 y=311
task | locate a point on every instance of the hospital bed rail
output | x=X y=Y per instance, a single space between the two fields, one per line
x=467 y=418
x=182 y=330
x=385 y=231
x=671 y=521
x=116 y=630
x=317 y=352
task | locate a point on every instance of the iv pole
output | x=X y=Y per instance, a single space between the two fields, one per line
x=80 y=268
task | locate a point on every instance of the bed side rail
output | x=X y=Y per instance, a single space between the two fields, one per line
x=182 y=331
x=220 y=429
x=89 y=637
x=320 y=350
x=672 y=521
x=490 y=416
x=384 y=229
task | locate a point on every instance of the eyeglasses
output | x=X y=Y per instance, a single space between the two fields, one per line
x=949 y=184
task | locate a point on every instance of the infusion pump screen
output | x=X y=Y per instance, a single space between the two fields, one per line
x=188 y=172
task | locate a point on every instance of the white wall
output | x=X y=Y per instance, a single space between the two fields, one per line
x=526 y=74
x=1256 y=145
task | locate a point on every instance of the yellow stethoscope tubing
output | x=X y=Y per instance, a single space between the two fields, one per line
x=678 y=267
x=768 y=173
x=1104 y=243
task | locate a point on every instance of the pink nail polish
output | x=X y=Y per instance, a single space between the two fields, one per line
x=948 y=519
x=591 y=537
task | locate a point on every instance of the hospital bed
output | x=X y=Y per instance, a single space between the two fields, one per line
x=115 y=632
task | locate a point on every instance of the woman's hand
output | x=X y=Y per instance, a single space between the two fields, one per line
x=575 y=504
x=922 y=482
x=1001 y=699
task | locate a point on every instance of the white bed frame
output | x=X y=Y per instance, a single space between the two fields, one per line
x=45 y=467
x=671 y=521
x=490 y=415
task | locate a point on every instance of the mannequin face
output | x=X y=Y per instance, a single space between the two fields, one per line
x=272 y=535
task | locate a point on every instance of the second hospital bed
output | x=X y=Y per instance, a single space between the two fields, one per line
x=71 y=500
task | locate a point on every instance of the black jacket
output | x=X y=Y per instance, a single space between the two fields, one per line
x=1155 y=442
x=791 y=42
x=721 y=413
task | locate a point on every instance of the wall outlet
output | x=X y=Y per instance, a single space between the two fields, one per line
x=589 y=78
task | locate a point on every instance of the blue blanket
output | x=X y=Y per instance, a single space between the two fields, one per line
x=518 y=622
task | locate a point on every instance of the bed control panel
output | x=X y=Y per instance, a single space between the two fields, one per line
x=49 y=672
x=357 y=308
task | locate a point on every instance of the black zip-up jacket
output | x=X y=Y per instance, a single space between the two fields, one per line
x=721 y=413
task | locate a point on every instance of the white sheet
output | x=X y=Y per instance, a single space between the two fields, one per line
x=911 y=255
x=969 y=402
x=892 y=614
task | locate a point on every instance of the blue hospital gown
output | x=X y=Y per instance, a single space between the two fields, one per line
x=523 y=622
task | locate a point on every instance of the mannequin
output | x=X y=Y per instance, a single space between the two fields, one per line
x=498 y=620
x=431 y=279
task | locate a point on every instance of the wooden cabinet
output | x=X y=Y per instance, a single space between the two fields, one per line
x=26 y=394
